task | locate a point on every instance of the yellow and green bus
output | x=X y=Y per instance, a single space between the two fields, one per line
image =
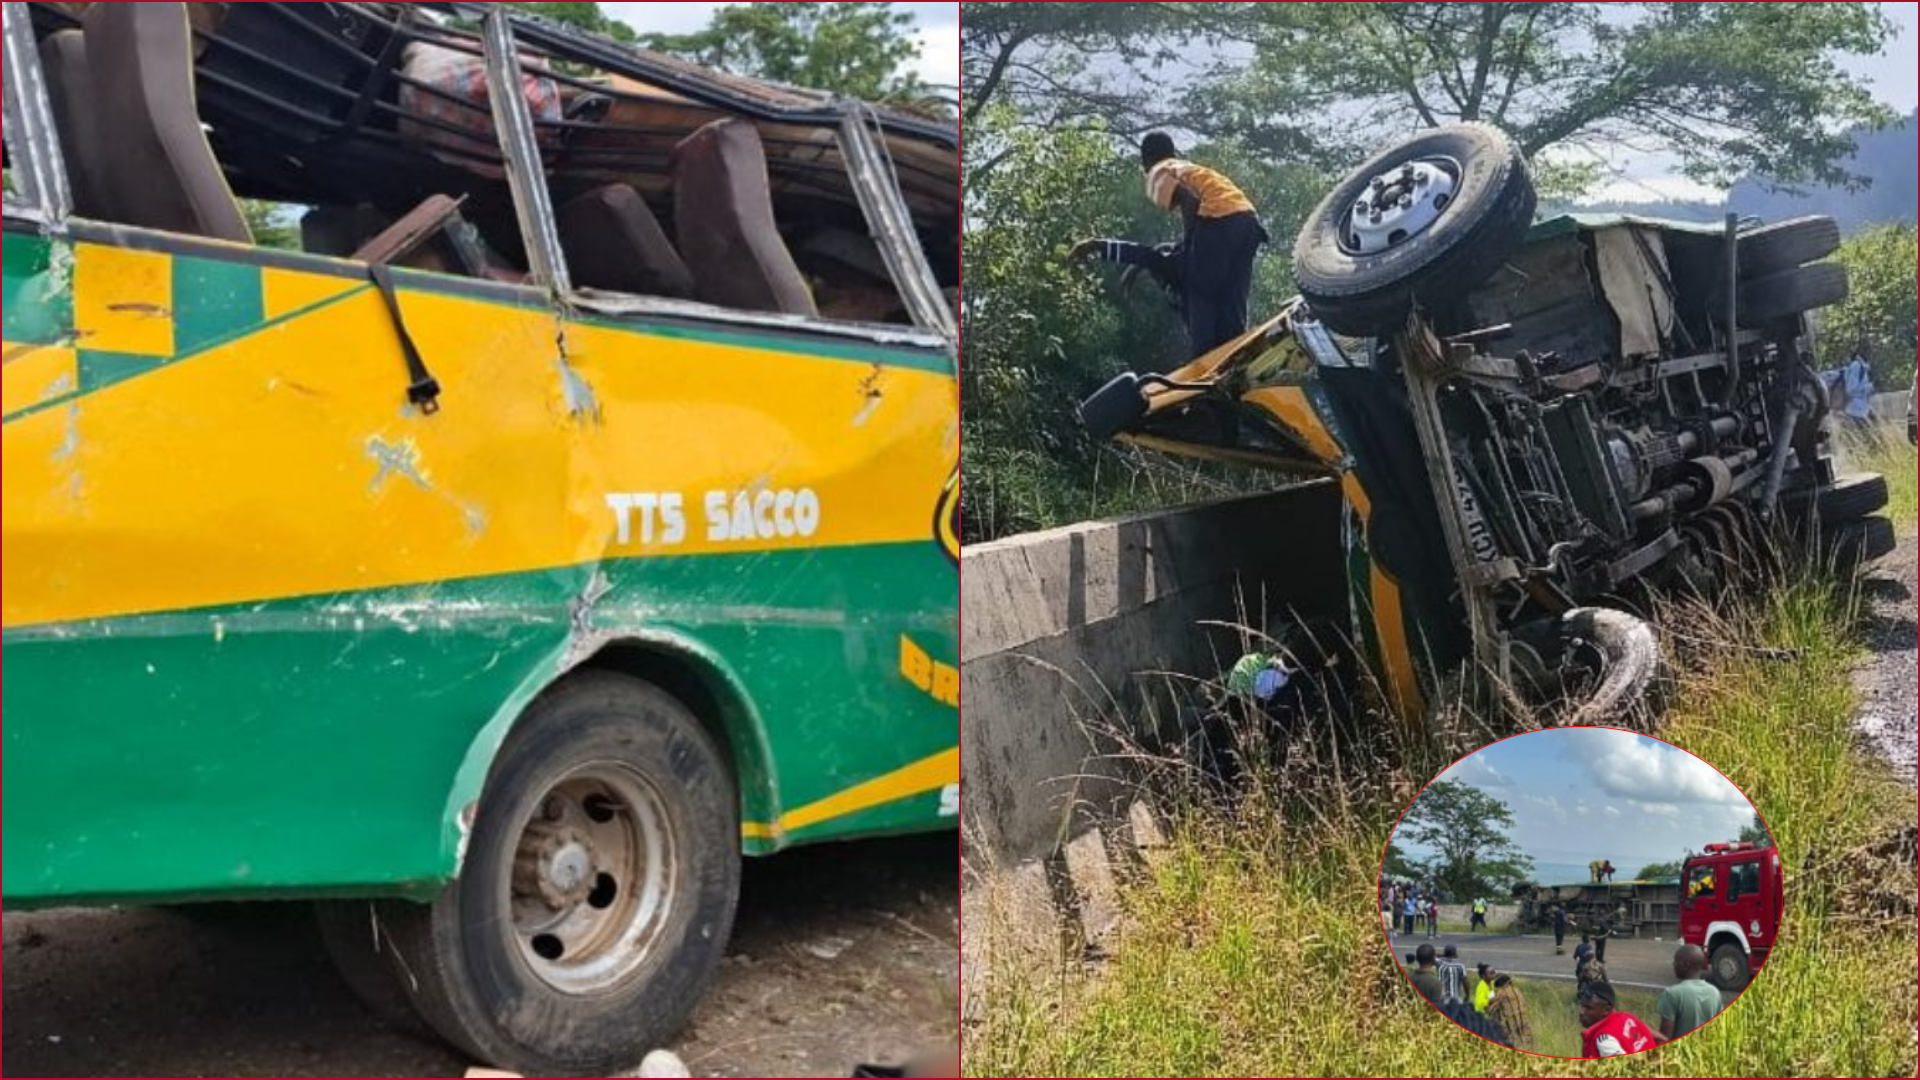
x=572 y=515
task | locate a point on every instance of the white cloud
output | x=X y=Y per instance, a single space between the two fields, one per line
x=1611 y=811
x=1548 y=804
x=1477 y=770
x=1634 y=767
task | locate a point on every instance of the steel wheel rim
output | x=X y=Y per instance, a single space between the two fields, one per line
x=590 y=888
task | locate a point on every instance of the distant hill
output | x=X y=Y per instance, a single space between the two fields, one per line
x=1887 y=158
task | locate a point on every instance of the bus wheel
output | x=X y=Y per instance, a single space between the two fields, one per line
x=1728 y=969
x=598 y=891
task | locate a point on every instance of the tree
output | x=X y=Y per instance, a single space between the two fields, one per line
x=1756 y=832
x=1658 y=871
x=1061 y=63
x=1041 y=334
x=1468 y=830
x=1401 y=868
x=1883 y=299
x=1729 y=88
x=861 y=50
x=586 y=17
x=274 y=225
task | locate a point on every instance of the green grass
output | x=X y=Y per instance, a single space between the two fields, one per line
x=1555 y=1017
x=1893 y=457
x=1253 y=947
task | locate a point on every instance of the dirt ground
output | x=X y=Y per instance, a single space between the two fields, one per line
x=1889 y=683
x=844 y=954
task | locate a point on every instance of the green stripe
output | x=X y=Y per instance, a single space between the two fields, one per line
x=172 y=756
x=214 y=301
x=99 y=370
x=35 y=309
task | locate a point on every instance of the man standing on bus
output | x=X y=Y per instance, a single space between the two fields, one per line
x=1222 y=235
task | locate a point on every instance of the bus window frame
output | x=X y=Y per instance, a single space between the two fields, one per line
x=39 y=168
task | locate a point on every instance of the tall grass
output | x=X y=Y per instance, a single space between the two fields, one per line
x=1253 y=947
x=1889 y=454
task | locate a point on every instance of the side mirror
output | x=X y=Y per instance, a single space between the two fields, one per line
x=1115 y=407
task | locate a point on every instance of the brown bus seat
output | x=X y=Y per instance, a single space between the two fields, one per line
x=164 y=174
x=723 y=215
x=63 y=57
x=614 y=242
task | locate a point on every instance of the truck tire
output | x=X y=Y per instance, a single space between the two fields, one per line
x=1366 y=285
x=1792 y=292
x=598 y=891
x=356 y=944
x=1727 y=967
x=1784 y=245
x=1857 y=543
x=1851 y=498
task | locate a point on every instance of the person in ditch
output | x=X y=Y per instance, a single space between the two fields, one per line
x=1222 y=235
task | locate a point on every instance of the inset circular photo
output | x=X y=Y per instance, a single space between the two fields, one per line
x=1581 y=892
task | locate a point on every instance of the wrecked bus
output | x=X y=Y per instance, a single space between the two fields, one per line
x=1531 y=423
x=573 y=515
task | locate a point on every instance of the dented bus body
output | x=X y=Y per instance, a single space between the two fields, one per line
x=504 y=608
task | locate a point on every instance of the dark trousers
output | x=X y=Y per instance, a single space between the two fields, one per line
x=1600 y=949
x=1219 y=275
x=1409 y=921
x=1559 y=936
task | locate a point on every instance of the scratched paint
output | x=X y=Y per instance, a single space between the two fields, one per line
x=285 y=603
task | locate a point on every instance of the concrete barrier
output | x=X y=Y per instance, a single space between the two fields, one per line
x=1063 y=632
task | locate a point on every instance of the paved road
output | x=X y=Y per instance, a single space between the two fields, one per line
x=143 y=993
x=1630 y=961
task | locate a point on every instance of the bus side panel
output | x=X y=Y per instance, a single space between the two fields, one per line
x=252 y=595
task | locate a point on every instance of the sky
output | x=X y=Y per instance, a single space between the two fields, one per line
x=1895 y=80
x=937 y=33
x=1579 y=794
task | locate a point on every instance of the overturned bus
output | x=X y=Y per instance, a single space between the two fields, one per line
x=1530 y=422
x=570 y=514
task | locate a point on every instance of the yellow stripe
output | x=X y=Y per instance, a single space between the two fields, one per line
x=123 y=300
x=288 y=291
x=36 y=373
x=1290 y=406
x=285 y=463
x=919 y=778
x=1389 y=617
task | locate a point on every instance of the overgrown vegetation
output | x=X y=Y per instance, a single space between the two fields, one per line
x=1883 y=282
x=1469 y=831
x=1253 y=947
x=1280 y=97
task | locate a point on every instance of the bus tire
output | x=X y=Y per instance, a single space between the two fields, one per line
x=1362 y=289
x=357 y=944
x=1727 y=967
x=598 y=891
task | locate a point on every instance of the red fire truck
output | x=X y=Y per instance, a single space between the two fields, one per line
x=1730 y=901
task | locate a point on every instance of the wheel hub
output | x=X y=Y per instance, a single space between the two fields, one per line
x=1399 y=205
x=592 y=879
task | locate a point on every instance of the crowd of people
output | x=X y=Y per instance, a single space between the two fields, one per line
x=1489 y=1004
x=1492 y=1004
x=1408 y=909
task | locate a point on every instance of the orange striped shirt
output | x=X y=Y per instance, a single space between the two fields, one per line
x=1218 y=196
